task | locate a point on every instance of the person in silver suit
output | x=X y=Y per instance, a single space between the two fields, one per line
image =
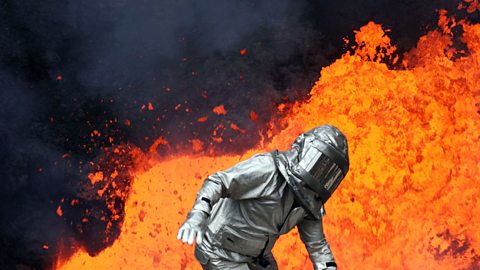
x=239 y=213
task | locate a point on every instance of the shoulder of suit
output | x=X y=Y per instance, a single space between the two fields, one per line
x=265 y=158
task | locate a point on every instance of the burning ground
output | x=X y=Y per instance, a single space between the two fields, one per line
x=103 y=157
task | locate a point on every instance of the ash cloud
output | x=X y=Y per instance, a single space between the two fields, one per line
x=68 y=68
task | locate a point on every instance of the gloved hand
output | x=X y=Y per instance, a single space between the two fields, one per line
x=195 y=225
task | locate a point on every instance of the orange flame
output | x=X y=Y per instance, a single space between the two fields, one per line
x=410 y=200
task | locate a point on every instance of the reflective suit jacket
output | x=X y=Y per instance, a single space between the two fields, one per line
x=252 y=205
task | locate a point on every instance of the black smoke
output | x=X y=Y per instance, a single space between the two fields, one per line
x=77 y=77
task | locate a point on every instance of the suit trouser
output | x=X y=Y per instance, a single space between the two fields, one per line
x=209 y=258
x=217 y=264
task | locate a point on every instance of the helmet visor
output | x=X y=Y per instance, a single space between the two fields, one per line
x=319 y=172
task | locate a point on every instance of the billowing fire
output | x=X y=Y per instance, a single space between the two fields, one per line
x=410 y=200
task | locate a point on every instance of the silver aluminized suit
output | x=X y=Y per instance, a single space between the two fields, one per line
x=250 y=205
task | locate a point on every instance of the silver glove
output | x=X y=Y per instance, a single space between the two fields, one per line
x=194 y=227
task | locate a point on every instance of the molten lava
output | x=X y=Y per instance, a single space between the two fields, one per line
x=411 y=198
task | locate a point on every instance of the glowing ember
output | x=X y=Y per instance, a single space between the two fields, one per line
x=410 y=200
x=197 y=145
x=202 y=119
x=95 y=177
x=237 y=128
x=253 y=116
x=59 y=211
x=220 y=109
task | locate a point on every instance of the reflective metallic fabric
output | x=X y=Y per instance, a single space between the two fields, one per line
x=252 y=207
x=254 y=202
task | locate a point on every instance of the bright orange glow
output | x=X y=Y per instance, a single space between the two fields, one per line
x=197 y=145
x=237 y=128
x=59 y=211
x=220 y=109
x=95 y=177
x=202 y=119
x=410 y=200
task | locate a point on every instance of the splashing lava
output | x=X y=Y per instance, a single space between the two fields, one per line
x=410 y=200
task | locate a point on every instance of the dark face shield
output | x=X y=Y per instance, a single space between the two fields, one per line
x=315 y=166
x=322 y=169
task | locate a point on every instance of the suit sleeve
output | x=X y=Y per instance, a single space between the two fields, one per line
x=311 y=233
x=246 y=180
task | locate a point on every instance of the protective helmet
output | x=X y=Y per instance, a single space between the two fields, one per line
x=320 y=164
x=323 y=159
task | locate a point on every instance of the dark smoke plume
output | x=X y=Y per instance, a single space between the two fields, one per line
x=78 y=78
